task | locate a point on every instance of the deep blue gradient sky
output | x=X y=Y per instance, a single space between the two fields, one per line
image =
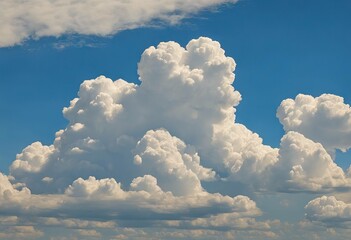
x=281 y=48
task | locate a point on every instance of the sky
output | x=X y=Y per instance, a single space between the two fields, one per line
x=213 y=119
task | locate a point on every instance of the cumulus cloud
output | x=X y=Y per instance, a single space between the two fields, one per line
x=76 y=223
x=89 y=233
x=329 y=211
x=139 y=155
x=146 y=204
x=305 y=165
x=9 y=195
x=183 y=91
x=179 y=126
x=146 y=201
x=177 y=169
x=21 y=20
x=325 y=119
x=20 y=232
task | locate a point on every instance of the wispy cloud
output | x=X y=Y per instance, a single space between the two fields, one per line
x=21 y=20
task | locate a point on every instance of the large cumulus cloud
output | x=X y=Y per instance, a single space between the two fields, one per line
x=139 y=154
x=183 y=91
x=179 y=126
x=20 y=20
x=144 y=152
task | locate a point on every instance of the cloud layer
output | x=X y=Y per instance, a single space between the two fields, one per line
x=21 y=20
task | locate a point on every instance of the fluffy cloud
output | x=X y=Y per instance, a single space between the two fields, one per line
x=89 y=233
x=184 y=91
x=179 y=126
x=146 y=202
x=325 y=119
x=20 y=232
x=144 y=205
x=10 y=196
x=32 y=157
x=244 y=156
x=329 y=211
x=304 y=165
x=167 y=158
x=140 y=155
x=21 y=20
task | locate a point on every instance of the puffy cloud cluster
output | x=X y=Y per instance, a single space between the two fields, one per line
x=20 y=232
x=325 y=119
x=179 y=126
x=140 y=155
x=185 y=92
x=20 y=20
x=329 y=211
x=305 y=165
x=177 y=168
x=315 y=128
x=9 y=195
x=144 y=205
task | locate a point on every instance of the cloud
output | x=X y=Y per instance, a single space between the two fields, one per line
x=176 y=166
x=20 y=232
x=74 y=223
x=329 y=211
x=22 y=20
x=125 y=154
x=89 y=233
x=144 y=205
x=304 y=165
x=10 y=197
x=185 y=92
x=141 y=155
x=179 y=127
x=325 y=119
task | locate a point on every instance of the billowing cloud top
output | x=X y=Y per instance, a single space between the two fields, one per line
x=139 y=155
x=20 y=20
x=325 y=119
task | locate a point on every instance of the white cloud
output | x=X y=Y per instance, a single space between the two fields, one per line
x=20 y=232
x=179 y=126
x=243 y=153
x=21 y=20
x=185 y=91
x=224 y=222
x=76 y=223
x=144 y=204
x=175 y=165
x=32 y=158
x=89 y=233
x=95 y=188
x=305 y=166
x=329 y=211
x=139 y=155
x=9 y=196
x=325 y=119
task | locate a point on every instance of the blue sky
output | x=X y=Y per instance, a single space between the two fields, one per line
x=281 y=48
